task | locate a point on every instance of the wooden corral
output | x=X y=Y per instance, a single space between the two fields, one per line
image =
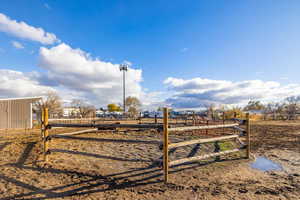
x=167 y=146
x=166 y=127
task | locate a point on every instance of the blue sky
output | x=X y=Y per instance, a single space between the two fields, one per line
x=216 y=40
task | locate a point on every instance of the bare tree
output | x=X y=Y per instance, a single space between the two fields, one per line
x=280 y=110
x=286 y=109
x=51 y=101
x=292 y=107
x=133 y=112
x=210 y=111
x=270 y=109
x=84 y=108
x=133 y=105
x=254 y=105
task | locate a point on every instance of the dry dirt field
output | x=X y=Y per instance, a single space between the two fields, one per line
x=108 y=165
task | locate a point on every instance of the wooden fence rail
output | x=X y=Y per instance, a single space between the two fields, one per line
x=167 y=146
x=74 y=133
x=196 y=158
x=239 y=129
x=189 y=128
x=201 y=141
x=99 y=126
x=166 y=127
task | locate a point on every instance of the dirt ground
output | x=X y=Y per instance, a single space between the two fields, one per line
x=125 y=165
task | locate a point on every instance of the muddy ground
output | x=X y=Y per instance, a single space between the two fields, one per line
x=109 y=165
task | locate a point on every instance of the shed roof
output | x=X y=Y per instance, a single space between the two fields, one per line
x=23 y=98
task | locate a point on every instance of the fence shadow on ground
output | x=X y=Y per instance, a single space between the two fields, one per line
x=26 y=153
x=145 y=176
x=3 y=145
x=116 y=181
x=97 y=155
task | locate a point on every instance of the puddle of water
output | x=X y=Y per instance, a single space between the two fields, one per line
x=264 y=164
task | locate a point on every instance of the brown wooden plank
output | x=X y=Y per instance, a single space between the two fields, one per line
x=201 y=141
x=188 y=128
x=191 y=159
x=154 y=126
x=166 y=148
x=75 y=132
x=239 y=128
x=46 y=134
x=248 y=134
x=240 y=142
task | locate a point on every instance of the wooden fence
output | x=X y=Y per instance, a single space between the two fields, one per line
x=165 y=127
x=167 y=146
x=48 y=124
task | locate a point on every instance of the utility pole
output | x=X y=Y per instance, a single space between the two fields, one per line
x=124 y=68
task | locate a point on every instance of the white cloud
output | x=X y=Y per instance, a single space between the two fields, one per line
x=71 y=72
x=17 y=45
x=75 y=70
x=18 y=84
x=23 y=30
x=194 y=93
x=153 y=100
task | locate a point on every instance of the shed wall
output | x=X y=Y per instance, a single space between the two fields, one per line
x=15 y=114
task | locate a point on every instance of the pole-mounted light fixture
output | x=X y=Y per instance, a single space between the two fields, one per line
x=124 y=68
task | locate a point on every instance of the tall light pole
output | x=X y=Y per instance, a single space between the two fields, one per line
x=124 y=68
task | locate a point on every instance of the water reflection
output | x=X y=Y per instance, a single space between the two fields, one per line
x=264 y=164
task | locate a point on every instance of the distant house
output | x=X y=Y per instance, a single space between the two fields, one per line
x=16 y=112
x=71 y=112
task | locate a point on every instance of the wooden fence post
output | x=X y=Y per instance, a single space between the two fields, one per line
x=217 y=149
x=194 y=119
x=223 y=118
x=194 y=122
x=45 y=134
x=42 y=124
x=207 y=123
x=248 y=134
x=166 y=143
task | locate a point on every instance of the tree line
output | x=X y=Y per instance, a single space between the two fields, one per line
x=82 y=108
x=287 y=109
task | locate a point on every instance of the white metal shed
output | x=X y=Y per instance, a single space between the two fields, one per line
x=16 y=112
